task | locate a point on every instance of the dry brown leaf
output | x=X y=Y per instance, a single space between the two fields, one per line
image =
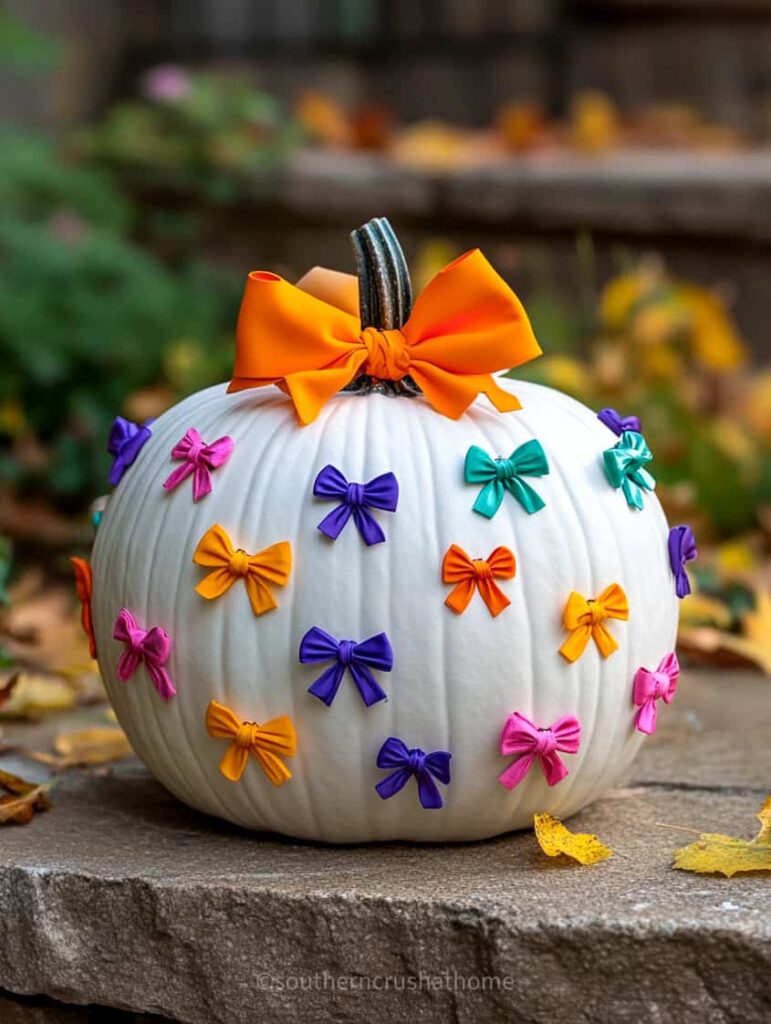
x=556 y=839
x=21 y=799
x=82 y=747
x=713 y=853
x=7 y=688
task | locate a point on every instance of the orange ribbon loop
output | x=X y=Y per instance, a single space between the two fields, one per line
x=466 y=325
x=266 y=743
x=271 y=566
x=84 y=584
x=479 y=574
x=585 y=619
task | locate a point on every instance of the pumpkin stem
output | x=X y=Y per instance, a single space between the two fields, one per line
x=385 y=292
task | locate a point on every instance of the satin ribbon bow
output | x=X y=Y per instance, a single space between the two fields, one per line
x=651 y=686
x=403 y=763
x=614 y=421
x=198 y=460
x=267 y=743
x=477 y=574
x=270 y=566
x=521 y=736
x=318 y=646
x=682 y=549
x=151 y=646
x=124 y=444
x=465 y=325
x=501 y=475
x=624 y=467
x=84 y=582
x=585 y=619
x=356 y=500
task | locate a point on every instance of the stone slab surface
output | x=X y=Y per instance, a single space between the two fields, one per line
x=122 y=897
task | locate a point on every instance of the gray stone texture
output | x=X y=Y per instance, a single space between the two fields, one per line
x=122 y=897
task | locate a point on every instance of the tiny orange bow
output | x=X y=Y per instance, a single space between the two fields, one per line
x=272 y=565
x=264 y=742
x=465 y=325
x=585 y=618
x=469 y=574
x=84 y=584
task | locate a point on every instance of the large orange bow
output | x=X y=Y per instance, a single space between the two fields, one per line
x=585 y=619
x=84 y=582
x=477 y=574
x=465 y=325
x=264 y=742
x=272 y=565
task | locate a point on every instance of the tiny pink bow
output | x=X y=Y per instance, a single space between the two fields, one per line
x=198 y=459
x=151 y=646
x=521 y=736
x=652 y=686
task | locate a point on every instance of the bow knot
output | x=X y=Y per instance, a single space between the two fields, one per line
x=614 y=421
x=500 y=475
x=682 y=549
x=267 y=743
x=270 y=567
x=625 y=467
x=149 y=646
x=198 y=460
x=382 y=492
x=479 y=574
x=466 y=325
x=585 y=619
x=387 y=355
x=651 y=686
x=523 y=737
x=84 y=585
x=405 y=763
x=318 y=646
x=125 y=442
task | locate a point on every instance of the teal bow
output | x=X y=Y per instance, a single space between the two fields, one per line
x=500 y=475
x=624 y=467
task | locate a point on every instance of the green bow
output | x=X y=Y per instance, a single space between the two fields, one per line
x=624 y=467
x=500 y=475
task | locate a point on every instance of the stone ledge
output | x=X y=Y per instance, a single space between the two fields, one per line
x=123 y=897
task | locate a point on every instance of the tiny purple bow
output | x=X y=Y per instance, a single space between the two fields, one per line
x=356 y=499
x=198 y=459
x=376 y=652
x=521 y=736
x=651 y=686
x=124 y=444
x=618 y=423
x=403 y=763
x=151 y=646
x=682 y=549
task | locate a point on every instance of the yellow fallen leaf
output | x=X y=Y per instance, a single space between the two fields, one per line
x=96 y=745
x=713 y=853
x=35 y=694
x=555 y=839
x=21 y=799
x=754 y=644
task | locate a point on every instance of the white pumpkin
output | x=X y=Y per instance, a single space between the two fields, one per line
x=455 y=679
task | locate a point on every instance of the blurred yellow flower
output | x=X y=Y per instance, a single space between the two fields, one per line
x=715 y=341
x=735 y=558
x=619 y=297
x=565 y=374
x=661 y=362
x=594 y=122
x=658 y=322
x=757 y=406
x=12 y=418
x=731 y=439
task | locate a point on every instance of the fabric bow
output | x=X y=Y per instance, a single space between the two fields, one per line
x=403 y=763
x=267 y=743
x=270 y=566
x=84 y=583
x=500 y=475
x=124 y=444
x=682 y=549
x=151 y=646
x=477 y=574
x=198 y=460
x=618 y=423
x=318 y=646
x=652 y=686
x=585 y=619
x=624 y=467
x=521 y=736
x=465 y=325
x=356 y=500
